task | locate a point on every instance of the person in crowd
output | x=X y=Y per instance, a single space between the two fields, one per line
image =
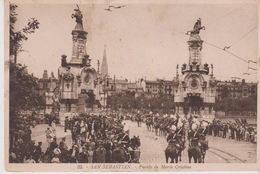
x=83 y=155
x=30 y=160
x=225 y=131
x=41 y=158
x=53 y=127
x=66 y=124
x=38 y=151
x=55 y=159
x=101 y=153
x=63 y=145
x=50 y=119
x=90 y=155
x=53 y=144
x=33 y=123
x=48 y=136
x=74 y=154
x=12 y=156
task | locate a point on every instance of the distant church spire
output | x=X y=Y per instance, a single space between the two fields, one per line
x=104 y=66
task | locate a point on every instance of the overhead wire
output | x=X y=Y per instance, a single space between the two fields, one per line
x=246 y=73
x=207 y=24
x=242 y=37
x=218 y=48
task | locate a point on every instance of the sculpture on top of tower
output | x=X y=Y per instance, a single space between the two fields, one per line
x=78 y=15
x=196 y=29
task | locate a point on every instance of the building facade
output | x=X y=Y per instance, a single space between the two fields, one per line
x=48 y=88
x=154 y=88
x=235 y=89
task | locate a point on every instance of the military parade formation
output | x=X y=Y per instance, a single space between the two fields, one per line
x=179 y=129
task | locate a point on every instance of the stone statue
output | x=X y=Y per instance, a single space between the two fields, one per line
x=196 y=29
x=78 y=15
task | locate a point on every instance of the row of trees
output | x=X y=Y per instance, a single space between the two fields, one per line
x=237 y=106
x=127 y=100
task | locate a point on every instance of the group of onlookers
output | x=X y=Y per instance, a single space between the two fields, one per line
x=233 y=131
x=93 y=140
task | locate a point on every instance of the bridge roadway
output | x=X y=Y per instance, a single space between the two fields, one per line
x=152 y=146
x=220 y=151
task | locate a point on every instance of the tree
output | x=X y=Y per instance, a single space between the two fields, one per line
x=22 y=91
x=23 y=94
x=17 y=37
x=236 y=106
x=224 y=93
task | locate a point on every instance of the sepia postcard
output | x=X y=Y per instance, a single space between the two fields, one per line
x=131 y=85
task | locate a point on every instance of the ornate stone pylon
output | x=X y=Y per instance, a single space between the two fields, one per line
x=195 y=89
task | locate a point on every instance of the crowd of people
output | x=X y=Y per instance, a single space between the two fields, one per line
x=94 y=137
x=240 y=130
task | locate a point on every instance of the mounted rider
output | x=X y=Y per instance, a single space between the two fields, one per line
x=175 y=138
x=124 y=140
x=197 y=27
x=202 y=132
x=194 y=126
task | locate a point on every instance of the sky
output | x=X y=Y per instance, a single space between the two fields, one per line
x=143 y=40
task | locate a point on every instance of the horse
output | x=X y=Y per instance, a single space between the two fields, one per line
x=194 y=151
x=135 y=142
x=138 y=119
x=203 y=148
x=156 y=127
x=119 y=155
x=171 y=152
x=149 y=124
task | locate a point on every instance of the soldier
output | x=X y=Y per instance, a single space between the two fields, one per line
x=171 y=136
x=125 y=138
x=174 y=139
x=203 y=128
